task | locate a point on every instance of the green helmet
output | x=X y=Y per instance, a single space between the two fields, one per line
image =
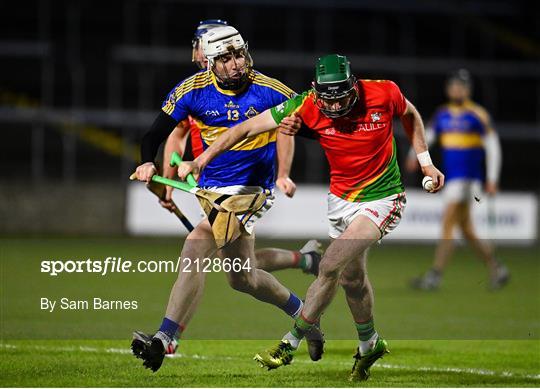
x=334 y=85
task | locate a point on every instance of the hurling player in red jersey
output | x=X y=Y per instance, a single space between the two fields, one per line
x=353 y=122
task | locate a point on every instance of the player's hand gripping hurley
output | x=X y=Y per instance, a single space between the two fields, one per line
x=221 y=209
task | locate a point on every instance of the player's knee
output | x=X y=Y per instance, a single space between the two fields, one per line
x=241 y=283
x=197 y=234
x=329 y=270
x=352 y=284
x=203 y=231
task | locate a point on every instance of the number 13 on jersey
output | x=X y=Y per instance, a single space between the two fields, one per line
x=233 y=114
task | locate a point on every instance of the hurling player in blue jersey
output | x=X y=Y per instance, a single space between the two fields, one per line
x=225 y=94
x=471 y=156
x=185 y=139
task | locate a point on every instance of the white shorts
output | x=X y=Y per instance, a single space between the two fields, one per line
x=249 y=224
x=385 y=213
x=462 y=190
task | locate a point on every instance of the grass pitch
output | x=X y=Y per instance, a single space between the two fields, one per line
x=224 y=363
x=461 y=335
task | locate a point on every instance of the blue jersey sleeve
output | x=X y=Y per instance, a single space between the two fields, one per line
x=276 y=92
x=278 y=97
x=178 y=102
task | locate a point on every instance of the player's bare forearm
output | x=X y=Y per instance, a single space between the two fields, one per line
x=175 y=142
x=251 y=127
x=414 y=128
x=285 y=154
x=223 y=143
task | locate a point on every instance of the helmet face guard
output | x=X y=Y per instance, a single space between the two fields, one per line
x=337 y=102
x=228 y=56
x=334 y=86
x=236 y=77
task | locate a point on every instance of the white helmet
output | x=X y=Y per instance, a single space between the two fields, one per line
x=226 y=43
x=197 y=55
x=221 y=40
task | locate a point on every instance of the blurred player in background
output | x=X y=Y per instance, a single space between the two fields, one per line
x=352 y=120
x=469 y=146
x=228 y=92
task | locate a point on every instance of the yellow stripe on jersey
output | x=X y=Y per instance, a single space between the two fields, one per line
x=352 y=195
x=470 y=106
x=197 y=81
x=209 y=135
x=261 y=79
x=459 y=140
x=227 y=92
x=274 y=87
x=168 y=108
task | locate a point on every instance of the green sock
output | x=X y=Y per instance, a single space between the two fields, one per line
x=301 y=326
x=304 y=260
x=365 y=330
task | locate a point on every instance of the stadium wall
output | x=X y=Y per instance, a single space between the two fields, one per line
x=304 y=216
x=51 y=208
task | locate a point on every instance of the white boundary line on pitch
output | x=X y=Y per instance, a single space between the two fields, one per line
x=480 y=372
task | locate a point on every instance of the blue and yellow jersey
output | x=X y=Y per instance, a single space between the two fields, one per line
x=250 y=162
x=460 y=130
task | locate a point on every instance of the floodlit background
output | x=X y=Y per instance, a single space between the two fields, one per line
x=82 y=81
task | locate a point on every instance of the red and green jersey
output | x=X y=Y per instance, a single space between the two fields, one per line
x=360 y=146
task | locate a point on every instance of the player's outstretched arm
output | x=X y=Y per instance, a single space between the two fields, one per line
x=288 y=127
x=414 y=128
x=285 y=155
x=256 y=125
x=411 y=163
